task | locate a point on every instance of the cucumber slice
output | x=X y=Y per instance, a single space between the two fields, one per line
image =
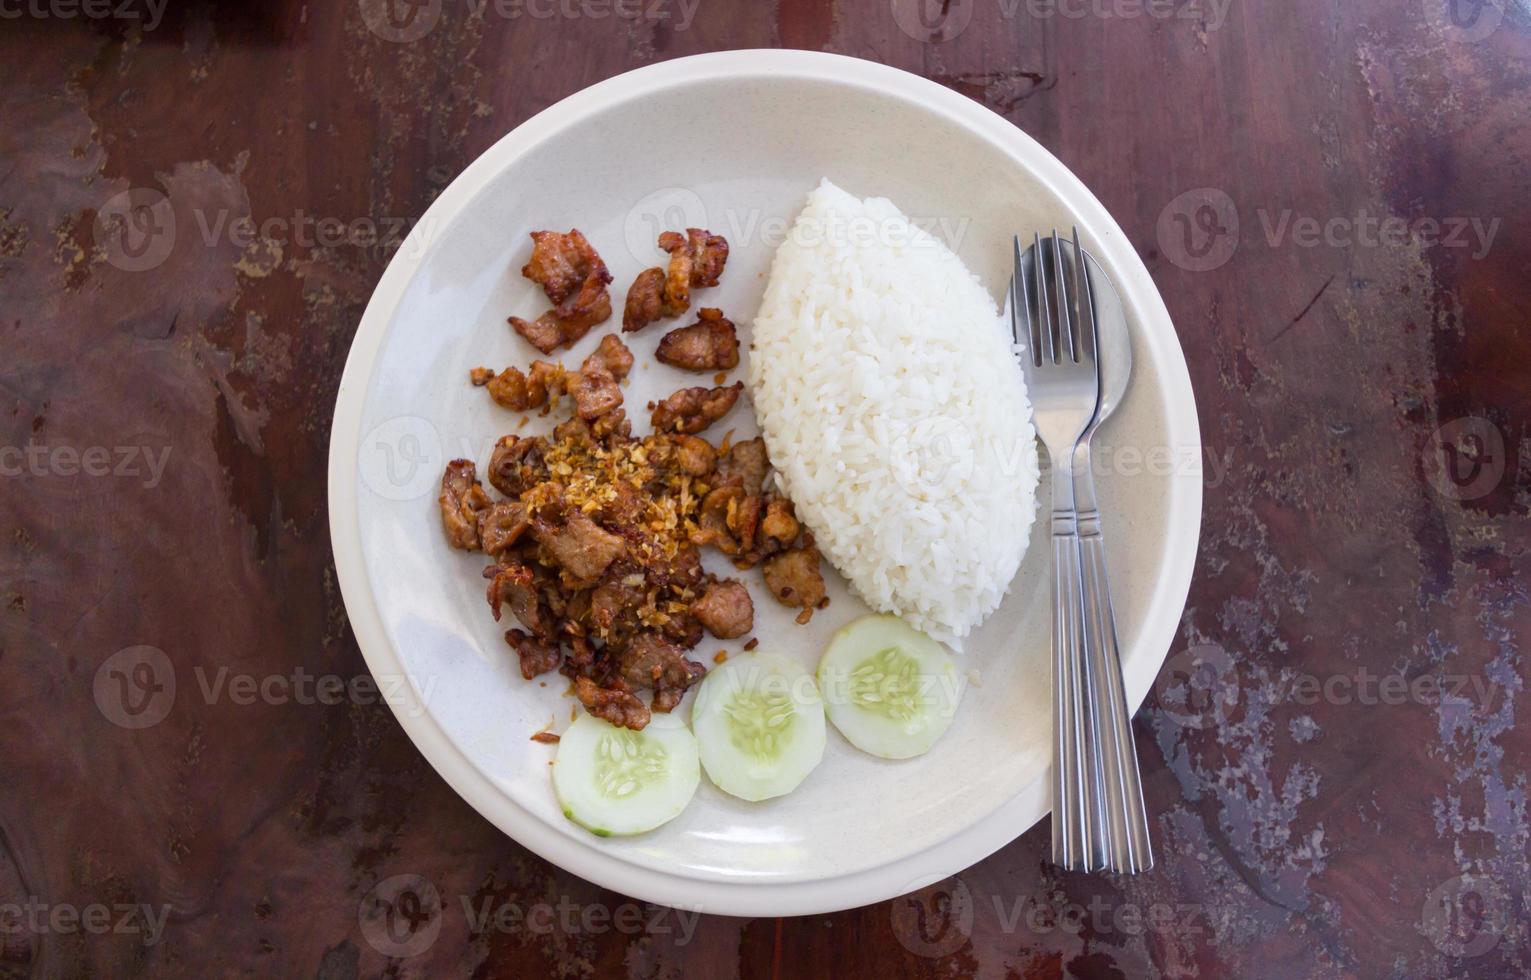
x=615 y=781
x=759 y=723
x=891 y=690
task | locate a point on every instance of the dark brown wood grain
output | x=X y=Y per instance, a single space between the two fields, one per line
x=1311 y=820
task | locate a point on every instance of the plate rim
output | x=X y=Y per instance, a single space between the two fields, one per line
x=752 y=898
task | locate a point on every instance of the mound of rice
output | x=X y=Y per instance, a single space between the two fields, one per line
x=895 y=413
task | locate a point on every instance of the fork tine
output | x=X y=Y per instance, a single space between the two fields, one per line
x=1020 y=306
x=1089 y=329
x=1044 y=326
x=1063 y=296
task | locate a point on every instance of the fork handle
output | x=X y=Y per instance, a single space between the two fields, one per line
x=1079 y=842
x=1130 y=848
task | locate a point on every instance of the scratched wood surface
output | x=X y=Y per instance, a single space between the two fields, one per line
x=1332 y=198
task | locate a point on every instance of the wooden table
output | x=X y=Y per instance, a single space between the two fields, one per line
x=1333 y=199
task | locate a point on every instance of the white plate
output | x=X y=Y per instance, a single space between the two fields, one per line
x=732 y=142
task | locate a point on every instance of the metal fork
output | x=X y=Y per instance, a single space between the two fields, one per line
x=1063 y=382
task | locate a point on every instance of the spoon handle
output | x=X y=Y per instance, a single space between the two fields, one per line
x=1129 y=848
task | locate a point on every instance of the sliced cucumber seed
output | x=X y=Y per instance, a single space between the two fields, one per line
x=613 y=780
x=891 y=690
x=888 y=683
x=759 y=723
x=625 y=764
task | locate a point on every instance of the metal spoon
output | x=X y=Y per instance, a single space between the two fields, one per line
x=1129 y=848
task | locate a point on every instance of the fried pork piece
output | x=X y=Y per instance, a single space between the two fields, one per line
x=561 y=262
x=645 y=300
x=612 y=425
x=696 y=259
x=615 y=603
x=462 y=497
x=480 y=376
x=569 y=321
x=516 y=465
x=580 y=546
x=514 y=585
x=613 y=355
x=710 y=344
x=712 y=522
x=745 y=464
x=725 y=609
x=500 y=526
x=694 y=455
x=616 y=703
x=691 y=410
x=654 y=662
x=779 y=526
x=594 y=389
x=522 y=392
x=680 y=571
x=536 y=656
x=575 y=279
x=794 y=578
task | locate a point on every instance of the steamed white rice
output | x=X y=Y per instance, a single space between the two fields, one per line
x=895 y=413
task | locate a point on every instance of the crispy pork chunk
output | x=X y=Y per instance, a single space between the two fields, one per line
x=645 y=300
x=725 y=609
x=613 y=355
x=561 y=263
x=745 y=464
x=523 y=391
x=501 y=526
x=710 y=344
x=462 y=497
x=794 y=578
x=691 y=410
x=651 y=661
x=516 y=464
x=615 y=703
x=536 y=656
x=696 y=259
x=572 y=274
x=580 y=546
x=514 y=585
